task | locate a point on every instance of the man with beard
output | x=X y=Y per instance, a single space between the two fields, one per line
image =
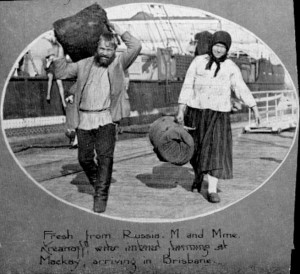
x=101 y=99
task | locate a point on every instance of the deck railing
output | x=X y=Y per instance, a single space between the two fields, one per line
x=276 y=104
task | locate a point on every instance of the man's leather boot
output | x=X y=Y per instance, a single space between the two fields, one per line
x=92 y=177
x=102 y=185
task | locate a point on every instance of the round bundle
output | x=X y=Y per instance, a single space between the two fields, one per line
x=203 y=39
x=79 y=34
x=171 y=142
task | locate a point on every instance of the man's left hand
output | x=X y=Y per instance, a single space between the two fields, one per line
x=115 y=28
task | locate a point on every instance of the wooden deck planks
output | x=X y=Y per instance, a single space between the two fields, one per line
x=143 y=188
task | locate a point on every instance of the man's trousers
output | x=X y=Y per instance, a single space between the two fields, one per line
x=98 y=142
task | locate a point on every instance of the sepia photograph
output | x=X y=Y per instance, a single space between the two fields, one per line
x=148 y=137
x=184 y=142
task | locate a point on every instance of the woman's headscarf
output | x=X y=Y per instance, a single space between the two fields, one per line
x=223 y=38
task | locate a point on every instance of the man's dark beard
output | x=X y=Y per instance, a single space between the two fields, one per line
x=103 y=62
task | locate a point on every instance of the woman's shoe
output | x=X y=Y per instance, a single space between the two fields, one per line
x=197 y=184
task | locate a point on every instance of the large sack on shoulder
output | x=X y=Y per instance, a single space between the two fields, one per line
x=171 y=142
x=79 y=34
x=204 y=40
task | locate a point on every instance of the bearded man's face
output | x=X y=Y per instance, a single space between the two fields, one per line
x=105 y=54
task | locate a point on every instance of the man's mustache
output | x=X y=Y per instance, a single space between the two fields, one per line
x=103 y=60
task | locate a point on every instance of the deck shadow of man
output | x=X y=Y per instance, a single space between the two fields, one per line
x=80 y=181
x=168 y=175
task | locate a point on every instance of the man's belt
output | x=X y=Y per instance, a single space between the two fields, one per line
x=93 y=110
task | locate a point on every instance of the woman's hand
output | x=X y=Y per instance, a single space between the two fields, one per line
x=256 y=115
x=180 y=115
x=179 y=118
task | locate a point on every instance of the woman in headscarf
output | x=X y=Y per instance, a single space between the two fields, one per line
x=204 y=104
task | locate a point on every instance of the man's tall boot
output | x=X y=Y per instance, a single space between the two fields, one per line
x=105 y=165
x=92 y=175
x=90 y=171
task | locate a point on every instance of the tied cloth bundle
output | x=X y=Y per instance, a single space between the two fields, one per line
x=171 y=141
x=79 y=34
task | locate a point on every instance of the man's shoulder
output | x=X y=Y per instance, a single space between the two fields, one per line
x=116 y=61
x=85 y=61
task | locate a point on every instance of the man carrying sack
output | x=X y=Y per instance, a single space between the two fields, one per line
x=102 y=101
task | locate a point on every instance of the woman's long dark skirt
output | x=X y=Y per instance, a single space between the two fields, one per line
x=213 y=142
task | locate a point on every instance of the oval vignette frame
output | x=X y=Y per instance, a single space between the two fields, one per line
x=151 y=220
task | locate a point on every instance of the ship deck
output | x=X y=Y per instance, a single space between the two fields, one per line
x=145 y=189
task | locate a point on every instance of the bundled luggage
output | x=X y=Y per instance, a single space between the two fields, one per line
x=79 y=34
x=171 y=142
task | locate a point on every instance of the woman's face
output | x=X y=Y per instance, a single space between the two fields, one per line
x=218 y=50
